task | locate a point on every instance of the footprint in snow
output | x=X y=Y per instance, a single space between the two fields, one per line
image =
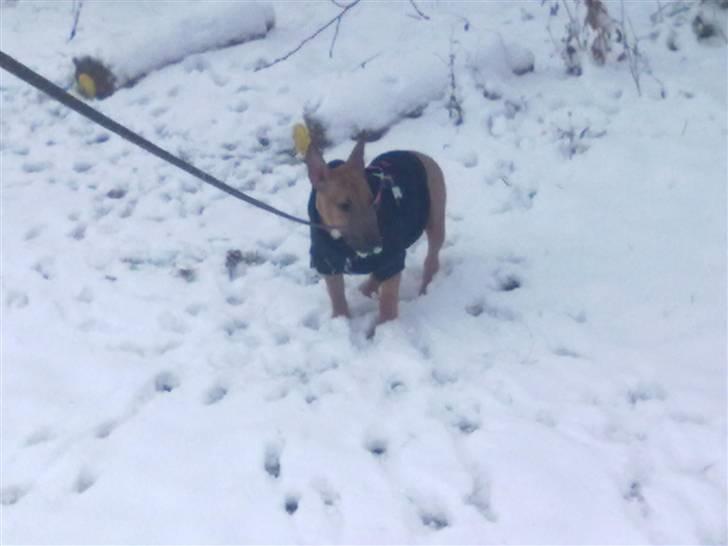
x=33 y=232
x=634 y=494
x=16 y=299
x=78 y=232
x=466 y=421
x=376 y=446
x=433 y=520
x=329 y=497
x=480 y=307
x=291 y=504
x=508 y=282
x=101 y=211
x=312 y=322
x=40 y=436
x=11 y=495
x=234 y=300
x=99 y=138
x=166 y=382
x=479 y=498
x=187 y=274
x=194 y=309
x=567 y=352
x=430 y=512
x=86 y=295
x=467 y=425
x=45 y=267
x=442 y=378
x=105 y=429
x=158 y=111
x=475 y=309
x=215 y=394
x=645 y=392
x=20 y=150
x=81 y=167
x=234 y=328
x=272 y=461
x=239 y=107
x=31 y=167
x=84 y=481
x=116 y=193
x=395 y=387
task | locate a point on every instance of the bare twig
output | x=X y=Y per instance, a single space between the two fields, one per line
x=365 y=62
x=295 y=50
x=333 y=40
x=630 y=54
x=568 y=11
x=553 y=40
x=674 y=8
x=419 y=12
x=77 y=5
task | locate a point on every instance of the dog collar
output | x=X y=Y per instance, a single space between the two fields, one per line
x=375 y=250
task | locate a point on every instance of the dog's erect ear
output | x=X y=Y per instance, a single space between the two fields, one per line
x=356 y=158
x=318 y=171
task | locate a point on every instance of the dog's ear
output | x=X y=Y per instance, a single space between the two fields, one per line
x=318 y=171
x=356 y=158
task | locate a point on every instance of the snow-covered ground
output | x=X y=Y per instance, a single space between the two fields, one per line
x=564 y=381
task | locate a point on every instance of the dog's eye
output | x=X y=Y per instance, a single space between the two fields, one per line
x=345 y=206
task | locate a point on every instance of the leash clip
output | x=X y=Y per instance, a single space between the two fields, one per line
x=385 y=181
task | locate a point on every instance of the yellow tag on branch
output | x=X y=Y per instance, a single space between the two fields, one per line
x=87 y=85
x=301 y=138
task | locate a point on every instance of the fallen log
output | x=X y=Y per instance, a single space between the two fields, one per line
x=118 y=43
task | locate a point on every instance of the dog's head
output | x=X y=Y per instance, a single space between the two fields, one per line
x=343 y=198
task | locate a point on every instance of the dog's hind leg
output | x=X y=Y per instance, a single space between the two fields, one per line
x=435 y=229
x=435 y=239
x=389 y=298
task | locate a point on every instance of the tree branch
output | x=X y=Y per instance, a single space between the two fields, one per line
x=419 y=12
x=333 y=40
x=295 y=50
x=76 y=16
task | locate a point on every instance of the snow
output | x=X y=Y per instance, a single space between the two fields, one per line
x=159 y=33
x=563 y=381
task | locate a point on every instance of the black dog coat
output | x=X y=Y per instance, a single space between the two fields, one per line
x=402 y=215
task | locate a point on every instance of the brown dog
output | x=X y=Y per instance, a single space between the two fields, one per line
x=374 y=214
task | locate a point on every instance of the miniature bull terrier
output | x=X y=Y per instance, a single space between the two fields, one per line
x=372 y=215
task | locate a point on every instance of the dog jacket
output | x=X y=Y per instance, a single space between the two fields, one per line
x=402 y=215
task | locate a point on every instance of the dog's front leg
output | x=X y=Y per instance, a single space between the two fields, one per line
x=335 y=286
x=389 y=298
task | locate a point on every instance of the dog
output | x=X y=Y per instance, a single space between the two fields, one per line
x=371 y=215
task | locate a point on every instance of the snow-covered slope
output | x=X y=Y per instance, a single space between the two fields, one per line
x=564 y=381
